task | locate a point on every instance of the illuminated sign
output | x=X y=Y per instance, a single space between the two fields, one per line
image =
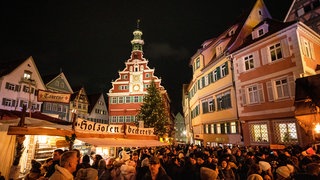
x=86 y=126
x=47 y=96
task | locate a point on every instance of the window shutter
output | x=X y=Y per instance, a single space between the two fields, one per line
x=7 y=85
x=260 y=92
x=240 y=63
x=204 y=129
x=3 y=101
x=218 y=73
x=291 y=86
x=302 y=40
x=227 y=69
x=13 y=103
x=270 y=91
x=256 y=59
x=243 y=96
x=285 y=48
x=313 y=56
x=264 y=55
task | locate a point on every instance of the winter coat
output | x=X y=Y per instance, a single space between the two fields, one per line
x=61 y=173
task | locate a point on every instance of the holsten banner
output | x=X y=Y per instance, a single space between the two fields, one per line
x=47 y=96
x=86 y=126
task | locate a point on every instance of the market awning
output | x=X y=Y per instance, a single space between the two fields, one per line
x=122 y=142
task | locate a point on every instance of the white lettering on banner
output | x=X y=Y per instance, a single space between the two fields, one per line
x=133 y=130
x=92 y=127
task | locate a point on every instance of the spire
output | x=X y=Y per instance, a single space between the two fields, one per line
x=137 y=42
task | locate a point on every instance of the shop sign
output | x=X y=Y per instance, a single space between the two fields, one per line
x=47 y=96
x=86 y=126
x=133 y=130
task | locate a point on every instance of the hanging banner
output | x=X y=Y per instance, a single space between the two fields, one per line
x=134 y=130
x=47 y=96
x=86 y=126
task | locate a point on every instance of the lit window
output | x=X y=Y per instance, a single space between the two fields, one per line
x=282 y=88
x=27 y=75
x=275 y=52
x=249 y=63
x=233 y=127
x=218 y=129
x=259 y=133
x=288 y=132
x=253 y=94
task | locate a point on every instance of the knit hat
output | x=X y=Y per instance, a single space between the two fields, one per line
x=283 y=171
x=207 y=173
x=264 y=165
x=254 y=177
x=124 y=156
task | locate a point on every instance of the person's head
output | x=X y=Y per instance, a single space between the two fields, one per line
x=313 y=169
x=86 y=159
x=57 y=154
x=224 y=164
x=154 y=165
x=267 y=177
x=135 y=156
x=48 y=161
x=69 y=161
x=102 y=164
x=97 y=158
x=109 y=162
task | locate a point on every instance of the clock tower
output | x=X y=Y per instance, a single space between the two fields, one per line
x=128 y=90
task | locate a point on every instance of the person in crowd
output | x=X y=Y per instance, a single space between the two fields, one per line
x=208 y=173
x=102 y=169
x=128 y=170
x=156 y=172
x=254 y=172
x=79 y=158
x=35 y=171
x=226 y=172
x=86 y=172
x=189 y=169
x=144 y=168
x=68 y=164
x=96 y=160
x=176 y=168
x=45 y=165
x=57 y=153
x=105 y=168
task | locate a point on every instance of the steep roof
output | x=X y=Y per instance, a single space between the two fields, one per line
x=93 y=99
x=9 y=66
x=274 y=26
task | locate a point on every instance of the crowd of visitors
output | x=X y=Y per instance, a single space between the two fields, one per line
x=183 y=162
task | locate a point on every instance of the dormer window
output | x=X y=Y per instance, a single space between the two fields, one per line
x=260 y=30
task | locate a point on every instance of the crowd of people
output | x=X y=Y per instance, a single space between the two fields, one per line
x=183 y=162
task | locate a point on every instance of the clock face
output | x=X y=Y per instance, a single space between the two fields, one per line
x=136 y=87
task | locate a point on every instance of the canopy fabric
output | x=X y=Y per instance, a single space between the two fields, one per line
x=121 y=142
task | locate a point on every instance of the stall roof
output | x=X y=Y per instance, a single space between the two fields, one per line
x=121 y=142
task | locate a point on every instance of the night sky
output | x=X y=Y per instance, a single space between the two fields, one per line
x=90 y=40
